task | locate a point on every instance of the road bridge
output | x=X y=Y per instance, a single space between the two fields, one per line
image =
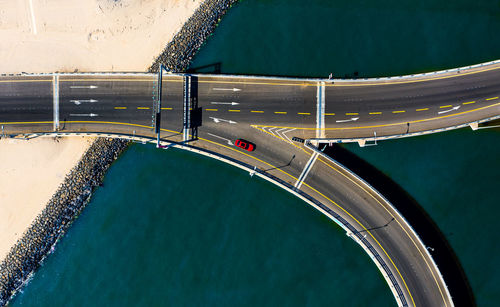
x=269 y=112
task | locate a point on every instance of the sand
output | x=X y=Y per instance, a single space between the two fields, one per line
x=31 y=171
x=90 y=35
x=65 y=36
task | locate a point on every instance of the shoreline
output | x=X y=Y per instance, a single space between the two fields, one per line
x=40 y=238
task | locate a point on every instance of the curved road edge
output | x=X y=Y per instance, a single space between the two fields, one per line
x=399 y=291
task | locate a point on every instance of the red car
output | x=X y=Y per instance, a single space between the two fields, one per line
x=241 y=143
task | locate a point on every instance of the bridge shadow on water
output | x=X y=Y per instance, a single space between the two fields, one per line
x=426 y=228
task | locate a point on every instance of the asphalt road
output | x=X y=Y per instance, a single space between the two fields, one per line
x=269 y=112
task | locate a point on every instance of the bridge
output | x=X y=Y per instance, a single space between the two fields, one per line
x=206 y=113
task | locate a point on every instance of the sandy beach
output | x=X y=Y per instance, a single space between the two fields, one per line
x=31 y=171
x=93 y=35
x=65 y=36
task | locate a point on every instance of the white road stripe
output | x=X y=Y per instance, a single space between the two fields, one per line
x=33 y=22
x=55 y=101
x=320 y=110
x=306 y=170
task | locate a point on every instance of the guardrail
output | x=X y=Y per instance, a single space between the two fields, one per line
x=361 y=80
x=403 y=135
x=339 y=220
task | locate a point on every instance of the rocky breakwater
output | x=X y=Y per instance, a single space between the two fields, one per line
x=178 y=53
x=61 y=210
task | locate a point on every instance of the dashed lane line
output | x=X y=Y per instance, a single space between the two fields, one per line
x=212 y=110
x=166 y=108
x=302 y=113
x=423 y=109
x=120 y=108
x=352 y=114
x=280 y=112
x=256 y=111
x=400 y=111
x=234 y=110
x=330 y=114
x=469 y=102
x=375 y=113
x=492 y=98
x=447 y=106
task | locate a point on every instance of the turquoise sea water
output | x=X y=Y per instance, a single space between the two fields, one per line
x=173 y=228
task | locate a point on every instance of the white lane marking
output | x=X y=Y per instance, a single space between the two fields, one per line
x=449 y=110
x=83 y=86
x=79 y=101
x=33 y=22
x=220 y=137
x=55 y=101
x=227 y=89
x=89 y=114
x=230 y=103
x=218 y=120
x=320 y=111
x=284 y=134
x=347 y=120
x=306 y=170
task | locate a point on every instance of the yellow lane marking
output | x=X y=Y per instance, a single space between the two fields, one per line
x=366 y=230
x=492 y=98
x=256 y=111
x=393 y=124
x=166 y=108
x=142 y=108
x=280 y=112
x=352 y=114
x=213 y=110
x=401 y=111
x=304 y=113
x=121 y=108
x=234 y=110
x=397 y=221
x=375 y=113
x=329 y=114
x=469 y=102
x=423 y=109
x=448 y=106
x=304 y=83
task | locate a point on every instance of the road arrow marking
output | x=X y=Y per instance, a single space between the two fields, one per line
x=220 y=137
x=347 y=120
x=79 y=101
x=227 y=89
x=231 y=103
x=452 y=109
x=83 y=86
x=218 y=120
x=89 y=114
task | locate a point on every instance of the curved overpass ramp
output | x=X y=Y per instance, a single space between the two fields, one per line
x=269 y=112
